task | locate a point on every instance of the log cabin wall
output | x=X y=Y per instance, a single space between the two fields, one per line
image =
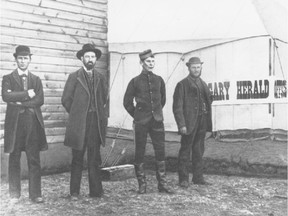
x=54 y=30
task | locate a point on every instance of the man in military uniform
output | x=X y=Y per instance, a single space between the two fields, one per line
x=148 y=91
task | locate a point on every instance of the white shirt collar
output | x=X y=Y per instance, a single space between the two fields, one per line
x=20 y=72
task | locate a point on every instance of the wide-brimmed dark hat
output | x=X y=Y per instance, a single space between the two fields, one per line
x=22 y=50
x=146 y=54
x=89 y=48
x=194 y=60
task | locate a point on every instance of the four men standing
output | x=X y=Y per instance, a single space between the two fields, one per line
x=84 y=98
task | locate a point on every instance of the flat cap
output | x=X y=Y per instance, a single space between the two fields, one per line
x=146 y=54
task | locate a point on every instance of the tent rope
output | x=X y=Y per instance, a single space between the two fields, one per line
x=280 y=62
x=108 y=95
x=117 y=159
x=181 y=59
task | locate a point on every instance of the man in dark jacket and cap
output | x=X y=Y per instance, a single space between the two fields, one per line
x=24 y=126
x=84 y=98
x=192 y=112
x=148 y=91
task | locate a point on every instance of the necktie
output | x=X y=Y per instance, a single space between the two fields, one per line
x=24 y=81
x=89 y=75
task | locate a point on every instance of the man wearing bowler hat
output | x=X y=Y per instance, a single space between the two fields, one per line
x=24 y=127
x=192 y=112
x=148 y=91
x=84 y=98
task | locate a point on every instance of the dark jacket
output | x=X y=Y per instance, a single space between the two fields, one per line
x=12 y=92
x=76 y=100
x=186 y=104
x=148 y=90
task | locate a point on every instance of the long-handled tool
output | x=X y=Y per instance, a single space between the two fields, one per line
x=113 y=144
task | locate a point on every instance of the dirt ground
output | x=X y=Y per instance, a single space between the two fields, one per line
x=227 y=196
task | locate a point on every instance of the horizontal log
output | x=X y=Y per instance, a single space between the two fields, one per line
x=52 y=100
x=56 y=13
x=22 y=24
x=38 y=34
x=36 y=67
x=48 y=116
x=55 y=116
x=64 y=6
x=15 y=15
x=53 y=84
x=52 y=60
x=118 y=173
x=43 y=51
x=47 y=124
x=6 y=39
x=54 y=123
x=45 y=108
x=48 y=132
x=53 y=92
x=53 y=108
x=90 y=4
x=55 y=131
x=50 y=139
x=55 y=139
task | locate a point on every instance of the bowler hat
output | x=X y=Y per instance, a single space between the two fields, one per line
x=88 y=48
x=194 y=60
x=146 y=54
x=22 y=50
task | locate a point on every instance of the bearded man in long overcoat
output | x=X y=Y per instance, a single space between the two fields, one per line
x=84 y=98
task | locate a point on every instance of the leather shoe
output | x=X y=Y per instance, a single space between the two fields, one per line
x=167 y=190
x=14 y=200
x=96 y=195
x=38 y=200
x=74 y=197
x=184 y=184
x=203 y=182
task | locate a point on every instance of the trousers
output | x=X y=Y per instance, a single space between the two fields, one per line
x=193 y=142
x=92 y=143
x=27 y=140
x=156 y=131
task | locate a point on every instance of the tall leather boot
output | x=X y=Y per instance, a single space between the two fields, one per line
x=161 y=177
x=139 y=170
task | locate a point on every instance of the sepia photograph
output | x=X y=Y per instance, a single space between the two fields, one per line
x=142 y=108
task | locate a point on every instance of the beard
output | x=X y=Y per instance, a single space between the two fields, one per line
x=89 y=65
x=195 y=75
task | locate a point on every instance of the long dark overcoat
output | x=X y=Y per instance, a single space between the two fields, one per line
x=76 y=99
x=12 y=92
x=186 y=100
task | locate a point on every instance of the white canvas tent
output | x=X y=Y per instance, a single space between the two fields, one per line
x=246 y=68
